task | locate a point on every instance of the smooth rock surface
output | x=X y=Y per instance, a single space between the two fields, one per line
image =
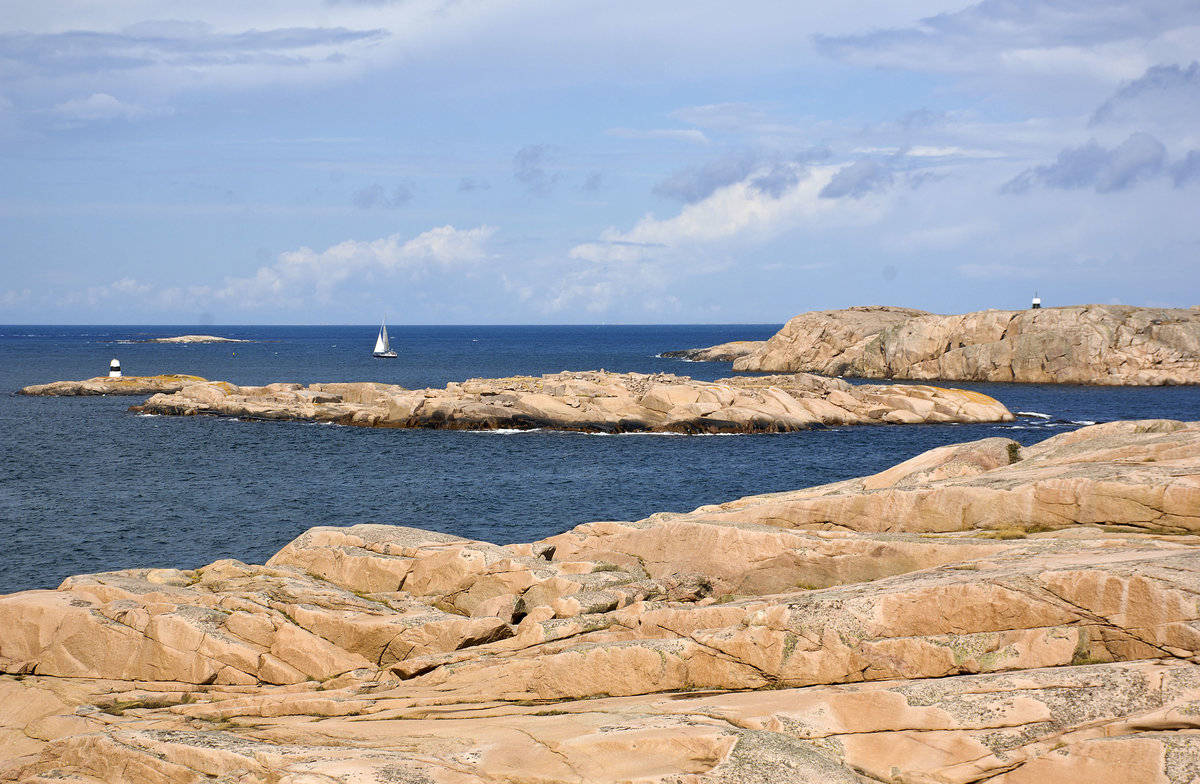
x=108 y=385
x=768 y=639
x=592 y=401
x=1083 y=344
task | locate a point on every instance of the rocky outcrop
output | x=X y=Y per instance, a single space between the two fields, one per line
x=751 y=641
x=593 y=401
x=1085 y=344
x=725 y=352
x=109 y=385
x=1090 y=476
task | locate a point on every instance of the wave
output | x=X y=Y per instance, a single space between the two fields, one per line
x=640 y=433
x=507 y=431
x=1033 y=414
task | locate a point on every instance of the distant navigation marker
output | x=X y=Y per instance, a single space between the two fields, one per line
x=114 y=369
x=1037 y=301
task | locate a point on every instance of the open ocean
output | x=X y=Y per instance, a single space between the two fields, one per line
x=86 y=486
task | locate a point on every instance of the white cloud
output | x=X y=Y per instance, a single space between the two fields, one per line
x=1056 y=57
x=300 y=273
x=642 y=270
x=12 y=299
x=741 y=212
x=130 y=295
x=925 y=151
x=120 y=289
x=449 y=246
x=74 y=73
x=1066 y=35
x=1110 y=63
x=304 y=277
x=145 y=51
x=98 y=107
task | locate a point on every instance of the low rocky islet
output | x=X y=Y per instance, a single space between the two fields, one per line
x=591 y=401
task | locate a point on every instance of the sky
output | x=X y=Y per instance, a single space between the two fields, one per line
x=562 y=162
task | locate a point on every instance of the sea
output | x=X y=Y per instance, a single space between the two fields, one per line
x=86 y=486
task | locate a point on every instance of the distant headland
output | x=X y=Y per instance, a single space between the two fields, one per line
x=1111 y=345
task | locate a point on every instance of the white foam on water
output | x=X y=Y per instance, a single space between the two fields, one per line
x=507 y=431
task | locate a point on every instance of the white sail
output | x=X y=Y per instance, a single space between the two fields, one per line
x=383 y=348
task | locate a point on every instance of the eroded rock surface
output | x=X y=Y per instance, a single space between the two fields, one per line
x=795 y=637
x=593 y=401
x=1083 y=344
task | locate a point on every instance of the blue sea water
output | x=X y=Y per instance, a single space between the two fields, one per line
x=86 y=486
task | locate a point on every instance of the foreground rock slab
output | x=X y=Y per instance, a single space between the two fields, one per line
x=751 y=641
x=593 y=401
x=1083 y=344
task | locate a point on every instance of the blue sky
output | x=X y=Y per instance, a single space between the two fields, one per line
x=555 y=161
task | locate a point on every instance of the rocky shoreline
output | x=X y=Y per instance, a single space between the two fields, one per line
x=1111 y=345
x=981 y=611
x=591 y=401
x=725 y=352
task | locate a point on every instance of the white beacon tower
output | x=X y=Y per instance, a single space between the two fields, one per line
x=114 y=369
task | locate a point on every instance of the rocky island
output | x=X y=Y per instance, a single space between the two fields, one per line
x=981 y=612
x=113 y=385
x=196 y=339
x=1083 y=344
x=591 y=401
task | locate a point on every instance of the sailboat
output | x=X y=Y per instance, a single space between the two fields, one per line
x=383 y=349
